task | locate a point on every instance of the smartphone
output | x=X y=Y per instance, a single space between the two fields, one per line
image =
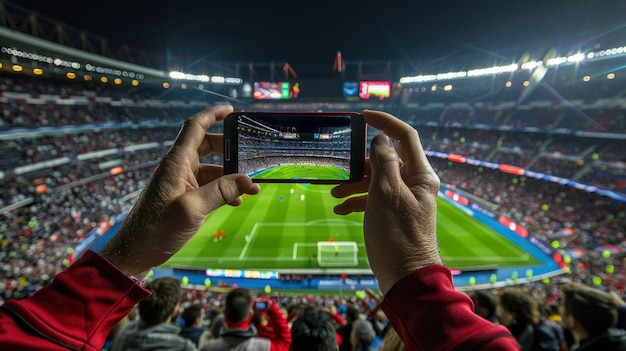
x=260 y=305
x=295 y=147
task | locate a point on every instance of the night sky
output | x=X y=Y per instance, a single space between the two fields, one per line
x=307 y=34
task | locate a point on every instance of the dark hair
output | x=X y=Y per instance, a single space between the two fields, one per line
x=313 y=331
x=191 y=314
x=159 y=305
x=521 y=304
x=237 y=305
x=352 y=313
x=595 y=310
x=486 y=300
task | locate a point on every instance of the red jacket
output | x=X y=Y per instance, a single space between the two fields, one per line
x=429 y=315
x=76 y=311
x=277 y=329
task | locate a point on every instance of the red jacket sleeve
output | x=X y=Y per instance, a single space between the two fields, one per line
x=337 y=318
x=430 y=315
x=278 y=329
x=77 y=310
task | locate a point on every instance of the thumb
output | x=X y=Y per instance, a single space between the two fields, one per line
x=384 y=161
x=223 y=190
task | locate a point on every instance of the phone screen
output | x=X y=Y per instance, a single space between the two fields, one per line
x=295 y=147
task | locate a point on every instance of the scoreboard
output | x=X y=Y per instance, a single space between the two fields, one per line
x=321 y=89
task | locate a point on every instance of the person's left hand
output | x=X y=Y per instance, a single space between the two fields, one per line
x=175 y=202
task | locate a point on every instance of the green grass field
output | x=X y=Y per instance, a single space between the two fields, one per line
x=280 y=228
x=303 y=171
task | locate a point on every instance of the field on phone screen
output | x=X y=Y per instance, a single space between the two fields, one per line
x=292 y=227
x=302 y=172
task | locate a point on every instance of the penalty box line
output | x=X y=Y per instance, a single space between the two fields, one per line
x=318 y=222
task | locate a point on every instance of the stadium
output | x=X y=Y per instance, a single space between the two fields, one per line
x=529 y=149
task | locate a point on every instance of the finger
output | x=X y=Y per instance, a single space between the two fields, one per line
x=221 y=191
x=350 y=188
x=384 y=162
x=211 y=143
x=410 y=147
x=353 y=204
x=193 y=132
x=208 y=173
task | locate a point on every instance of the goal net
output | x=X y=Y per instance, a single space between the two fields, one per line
x=337 y=254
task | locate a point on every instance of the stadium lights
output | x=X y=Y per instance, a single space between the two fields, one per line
x=60 y=62
x=198 y=77
x=556 y=61
x=492 y=70
x=607 y=53
x=576 y=58
x=113 y=71
x=530 y=65
x=204 y=78
x=461 y=74
x=38 y=57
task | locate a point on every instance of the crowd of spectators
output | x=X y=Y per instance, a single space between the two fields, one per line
x=575 y=219
x=356 y=322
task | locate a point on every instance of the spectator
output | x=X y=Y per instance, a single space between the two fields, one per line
x=193 y=319
x=212 y=331
x=485 y=305
x=549 y=335
x=352 y=315
x=362 y=336
x=517 y=311
x=591 y=315
x=154 y=330
x=241 y=334
x=313 y=330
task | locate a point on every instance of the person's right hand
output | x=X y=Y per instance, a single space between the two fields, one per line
x=400 y=205
x=177 y=199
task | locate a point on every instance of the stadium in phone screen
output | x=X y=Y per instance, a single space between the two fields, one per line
x=294 y=147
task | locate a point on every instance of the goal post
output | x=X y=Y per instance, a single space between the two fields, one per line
x=337 y=254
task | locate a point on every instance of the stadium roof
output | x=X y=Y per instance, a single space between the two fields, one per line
x=309 y=34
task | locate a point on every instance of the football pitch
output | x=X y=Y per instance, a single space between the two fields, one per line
x=303 y=171
x=291 y=227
